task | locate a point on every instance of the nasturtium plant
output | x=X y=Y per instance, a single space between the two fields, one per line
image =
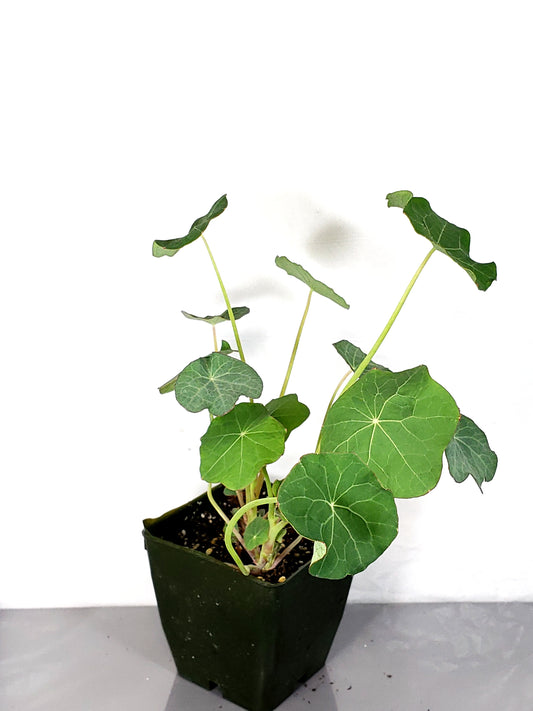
x=384 y=435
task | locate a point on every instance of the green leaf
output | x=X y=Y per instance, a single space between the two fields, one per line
x=226 y=348
x=336 y=500
x=469 y=454
x=289 y=411
x=169 y=386
x=446 y=237
x=399 y=199
x=228 y=492
x=397 y=423
x=354 y=356
x=216 y=382
x=238 y=312
x=302 y=274
x=256 y=533
x=169 y=247
x=237 y=445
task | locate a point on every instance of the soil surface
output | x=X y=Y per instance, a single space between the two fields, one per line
x=199 y=527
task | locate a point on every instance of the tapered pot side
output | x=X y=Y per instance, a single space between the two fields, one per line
x=256 y=640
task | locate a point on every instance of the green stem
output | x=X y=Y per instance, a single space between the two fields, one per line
x=222 y=514
x=226 y=300
x=389 y=324
x=286 y=551
x=233 y=522
x=346 y=375
x=215 y=337
x=267 y=549
x=214 y=503
x=270 y=495
x=296 y=344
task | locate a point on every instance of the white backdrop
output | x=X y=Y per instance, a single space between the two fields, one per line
x=123 y=122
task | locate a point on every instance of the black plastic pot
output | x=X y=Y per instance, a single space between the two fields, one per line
x=257 y=641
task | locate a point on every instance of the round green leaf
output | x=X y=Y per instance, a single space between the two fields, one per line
x=469 y=454
x=216 y=382
x=302 y=274
x=256 y=533
x=336 y=500
x=237 y=445
x=289 y=411
x=397 y=423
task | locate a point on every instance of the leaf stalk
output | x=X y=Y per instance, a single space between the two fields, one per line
x=231 y=526
x=226 y=300
x=296 y=344
x=361 y=369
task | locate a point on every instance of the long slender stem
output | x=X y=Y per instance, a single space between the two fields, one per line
x=296 y=344
x=233 y=522
x=215 y=338
x=220 y=512
x=361 y=368
x=389 y=323
x=227 y=302
x=286 y=551
x=265 y=479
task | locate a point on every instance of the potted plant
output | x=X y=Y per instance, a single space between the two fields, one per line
x=251 y=578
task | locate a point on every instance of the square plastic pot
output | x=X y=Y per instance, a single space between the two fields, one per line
x=257 y=641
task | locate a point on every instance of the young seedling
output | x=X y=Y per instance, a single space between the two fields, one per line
x=382 y=438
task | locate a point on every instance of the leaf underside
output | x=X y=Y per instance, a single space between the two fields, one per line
x=354 y=356
x=237 y=445
x=238 y=312
x=289 y=411
x=399 y=425
x=296 y=270
x=336 y=500
x=469 y=453
x=445 y=236
x=216 y=382
x=169 y=247
x=169 y=386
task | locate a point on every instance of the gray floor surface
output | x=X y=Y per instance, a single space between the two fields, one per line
x=415 y=657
